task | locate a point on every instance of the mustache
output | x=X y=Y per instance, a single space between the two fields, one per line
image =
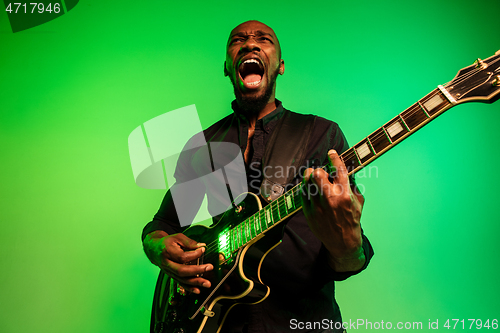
x=254 y=104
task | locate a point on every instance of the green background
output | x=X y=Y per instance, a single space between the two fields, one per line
x=73 y=89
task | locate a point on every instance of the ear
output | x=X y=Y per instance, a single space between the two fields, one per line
x=226 y=73
x=282 y=67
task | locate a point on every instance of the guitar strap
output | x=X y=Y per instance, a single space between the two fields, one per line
x=285 y=153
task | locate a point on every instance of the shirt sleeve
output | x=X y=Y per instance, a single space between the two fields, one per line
x=165 y=219
x=368 y=250
x=179 y=197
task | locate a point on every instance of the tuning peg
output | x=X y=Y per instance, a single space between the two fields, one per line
x=496 y=81
x=480 y=64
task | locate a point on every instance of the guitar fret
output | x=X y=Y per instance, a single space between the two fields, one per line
x=243 y=234
x=253 y=232
x=363 y=150
x=289 y=202
x=257 y=224
x=235 y=238
x=404 y=123
x=387 y=135
x=380 y=140
x=238 y=236
x=268 y=216
x=434 y=102
x=395 y=129
x=357 y=156
x=414 y=116
x=350 y=159
x=276 y=211
x=247 y=231
x=262 y=220
x=297 y=199
x=371 y=146
x=423 y=109
x=272 y=209
x=282 y=206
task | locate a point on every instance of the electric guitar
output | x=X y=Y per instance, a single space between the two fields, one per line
x=239 y=242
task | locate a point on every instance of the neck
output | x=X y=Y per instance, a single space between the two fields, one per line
x=255 y=115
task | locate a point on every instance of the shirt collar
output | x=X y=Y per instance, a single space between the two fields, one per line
x=268 y=121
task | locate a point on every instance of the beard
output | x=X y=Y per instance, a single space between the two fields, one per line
x=254 y=104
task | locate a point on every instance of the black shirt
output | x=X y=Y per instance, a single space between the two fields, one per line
x=301 y=281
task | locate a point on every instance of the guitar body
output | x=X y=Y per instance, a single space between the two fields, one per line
x=235 y=278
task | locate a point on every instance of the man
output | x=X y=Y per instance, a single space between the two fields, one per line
x=322 y=243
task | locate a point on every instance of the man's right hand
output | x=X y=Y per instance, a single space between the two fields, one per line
x=172 y=252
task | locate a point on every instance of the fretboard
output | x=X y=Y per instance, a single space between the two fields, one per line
x=397 y=129
x=355 y=158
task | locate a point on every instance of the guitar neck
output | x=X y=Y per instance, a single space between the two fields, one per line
x=355 y=158
x=397 y=129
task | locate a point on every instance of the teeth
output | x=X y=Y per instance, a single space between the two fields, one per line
x=250 y=61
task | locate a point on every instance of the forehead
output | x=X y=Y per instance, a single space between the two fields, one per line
x=252 y=28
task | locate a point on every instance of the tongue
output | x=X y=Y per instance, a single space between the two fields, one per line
x=250 y=78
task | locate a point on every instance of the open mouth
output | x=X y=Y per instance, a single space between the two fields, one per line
x=251 y=72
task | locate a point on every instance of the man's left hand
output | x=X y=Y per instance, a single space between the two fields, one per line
x=333 y=212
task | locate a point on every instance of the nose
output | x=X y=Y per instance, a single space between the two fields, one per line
x=250 y=45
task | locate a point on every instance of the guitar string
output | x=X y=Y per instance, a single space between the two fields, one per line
x=473 y=72
x=276 y=209
x=380 y=133
x=243 y=226
x=215 y=244
x=405 y=115
x=273 y=207
x=349 y=154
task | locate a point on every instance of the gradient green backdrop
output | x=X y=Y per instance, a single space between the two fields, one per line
x=73 y=89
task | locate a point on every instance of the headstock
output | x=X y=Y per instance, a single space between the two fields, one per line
x=479 y=82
